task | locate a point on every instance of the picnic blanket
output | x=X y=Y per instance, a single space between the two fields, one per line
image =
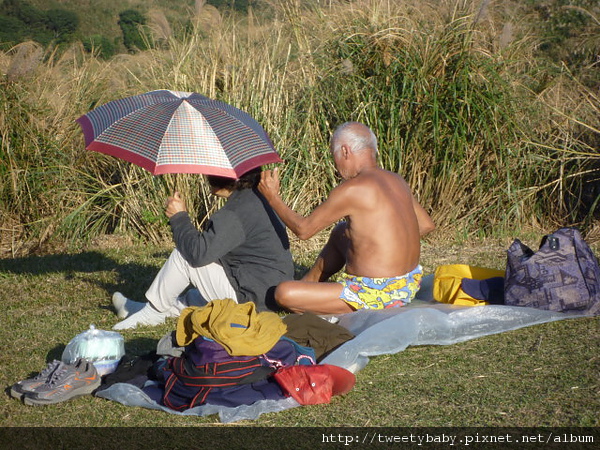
x=422 y=322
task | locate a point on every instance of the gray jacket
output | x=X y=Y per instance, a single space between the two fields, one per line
x=248 y=239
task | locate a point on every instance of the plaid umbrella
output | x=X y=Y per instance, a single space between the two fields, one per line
x=178 y=132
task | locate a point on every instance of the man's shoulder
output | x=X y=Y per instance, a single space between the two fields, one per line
x=375 y=178
x=374 y=189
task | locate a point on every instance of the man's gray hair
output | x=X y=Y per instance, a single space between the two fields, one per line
x=357 y=136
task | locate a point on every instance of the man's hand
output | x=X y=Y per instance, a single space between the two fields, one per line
x=269 y=187
x=174 y=205
x=269 y=184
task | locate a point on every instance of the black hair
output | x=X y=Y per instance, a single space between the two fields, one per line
x=249 y=180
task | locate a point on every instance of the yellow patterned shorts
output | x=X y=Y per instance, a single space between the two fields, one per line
x=380 y=293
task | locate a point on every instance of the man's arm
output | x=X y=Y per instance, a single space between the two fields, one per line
x=328 y=212
x=426 y=225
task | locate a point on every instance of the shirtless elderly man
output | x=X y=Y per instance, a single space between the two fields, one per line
x=378 y=242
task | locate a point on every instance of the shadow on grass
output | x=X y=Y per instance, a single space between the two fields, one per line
x=92 y=262
x=133 y=276
x=96 y=268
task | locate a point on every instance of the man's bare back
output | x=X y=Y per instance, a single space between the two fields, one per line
x=380 y=237
x=383 y=232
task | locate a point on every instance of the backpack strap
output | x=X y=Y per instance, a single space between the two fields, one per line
x=189 y=385
x=218 y=374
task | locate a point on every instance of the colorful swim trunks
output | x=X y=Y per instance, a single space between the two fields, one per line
x=380 y=293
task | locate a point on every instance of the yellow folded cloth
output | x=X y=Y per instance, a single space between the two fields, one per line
x=239 y=328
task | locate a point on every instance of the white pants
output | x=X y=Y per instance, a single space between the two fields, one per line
x=176 y=275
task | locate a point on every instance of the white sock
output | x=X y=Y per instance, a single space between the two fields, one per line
x=124 y=306
x=146 y=316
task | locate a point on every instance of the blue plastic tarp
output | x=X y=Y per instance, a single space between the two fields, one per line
x=423 y=322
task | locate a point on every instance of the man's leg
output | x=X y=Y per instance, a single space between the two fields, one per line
x=315 y=297
x=312 y=293
x=332 y=258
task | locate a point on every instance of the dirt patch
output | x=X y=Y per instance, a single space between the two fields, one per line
x=111 y=241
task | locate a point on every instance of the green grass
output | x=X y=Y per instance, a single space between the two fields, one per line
x=545 y=375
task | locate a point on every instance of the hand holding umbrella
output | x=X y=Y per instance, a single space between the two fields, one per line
x=175 y=204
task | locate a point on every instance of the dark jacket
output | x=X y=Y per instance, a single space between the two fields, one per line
x=247 y=238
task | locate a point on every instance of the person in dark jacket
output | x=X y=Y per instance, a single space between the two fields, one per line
x=242 y=253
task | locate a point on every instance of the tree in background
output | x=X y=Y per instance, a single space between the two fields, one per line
x=569 y=31
x=63 y=23
x=12 y=32
x=100 y=46
x=21 y=21
x=23 y=11
x=132 y=24
x=26 y=21
x=237 y=5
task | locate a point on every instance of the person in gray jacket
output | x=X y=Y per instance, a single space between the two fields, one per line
x=242 y=253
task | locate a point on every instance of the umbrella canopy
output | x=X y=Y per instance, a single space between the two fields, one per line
x=178 y=132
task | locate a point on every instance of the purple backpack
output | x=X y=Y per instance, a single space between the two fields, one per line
x=563 y=275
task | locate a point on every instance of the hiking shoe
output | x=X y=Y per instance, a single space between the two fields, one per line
x=31 y=384
x=66 y=382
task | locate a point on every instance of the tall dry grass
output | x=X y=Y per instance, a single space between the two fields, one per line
x=452 y=89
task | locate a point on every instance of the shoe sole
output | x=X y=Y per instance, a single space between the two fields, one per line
x=16 y=394
x=79 y=392
x=17 y=391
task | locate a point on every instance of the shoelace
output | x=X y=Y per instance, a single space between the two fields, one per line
x=47 y=371
x=57 y=375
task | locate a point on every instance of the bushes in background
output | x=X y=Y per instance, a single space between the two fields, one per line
x=491 y=135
